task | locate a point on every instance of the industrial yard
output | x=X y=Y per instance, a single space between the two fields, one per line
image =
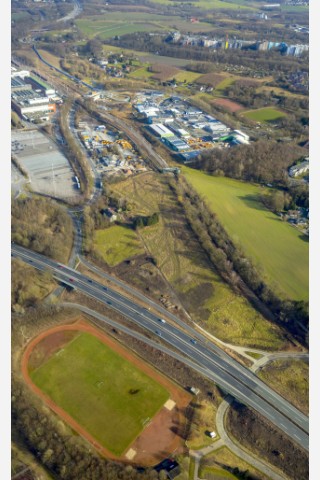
x=112 y=155
x=183 y=128
x=48 y=169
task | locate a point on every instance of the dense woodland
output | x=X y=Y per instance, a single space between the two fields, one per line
x=28 y=285
x=43 y=226
x=263 y=161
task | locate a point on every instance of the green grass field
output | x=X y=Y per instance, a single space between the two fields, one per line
x=278 y=249
x=110 y=29
x=210 y=301
x=120 y=23
x=290 y=378
x=83 y=379
x=211 y=4
x=220 y=88
x=116 y=244
x=141 y=73
x=267 y=114
x=186 y=75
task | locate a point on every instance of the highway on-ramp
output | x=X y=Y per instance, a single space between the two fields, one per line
x=205 y=357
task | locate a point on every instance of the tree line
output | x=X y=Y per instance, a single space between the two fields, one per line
x=264 y=161
x=235 y=267
x=74 y=152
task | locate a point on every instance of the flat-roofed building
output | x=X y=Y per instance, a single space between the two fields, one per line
x=39 y=84
x=161 y=131
x=17 y=84
x=30 y=102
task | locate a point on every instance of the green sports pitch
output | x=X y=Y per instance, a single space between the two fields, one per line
x=106 y=394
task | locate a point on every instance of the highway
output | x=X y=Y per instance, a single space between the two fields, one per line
x=206 y=358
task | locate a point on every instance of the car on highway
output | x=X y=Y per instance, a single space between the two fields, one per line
x=104 y=288
x=192 y=340
x=109 y=303
x=161 y=320
x=90 y=281
x=60 y=266
x=158 y=333
x=71 y=280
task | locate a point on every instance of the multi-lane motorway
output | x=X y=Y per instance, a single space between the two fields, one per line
x=205 y=357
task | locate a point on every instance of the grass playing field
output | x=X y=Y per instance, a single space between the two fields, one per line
x=83 y=379
x=278 y=249
x=267 y=114
x=116 y=244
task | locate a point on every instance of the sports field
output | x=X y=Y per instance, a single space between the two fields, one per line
x=83 y=379
x=280 y=251
x=267 y=114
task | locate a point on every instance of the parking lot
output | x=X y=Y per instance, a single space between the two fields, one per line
x=48 y=169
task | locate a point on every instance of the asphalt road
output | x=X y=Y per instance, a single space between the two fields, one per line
x=208 y=359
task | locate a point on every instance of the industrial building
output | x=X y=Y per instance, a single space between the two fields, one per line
x=176 y=144
x=31 y=96
x=18 y=85
x=38 y=83
x=161 y=131
x=28 y=102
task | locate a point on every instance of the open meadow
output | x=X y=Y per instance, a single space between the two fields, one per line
x=116 y=244
x=83 y=379
x=214 y=4
x=278 y=249
x=209 y=300
x=120 y=23
x=267 y=114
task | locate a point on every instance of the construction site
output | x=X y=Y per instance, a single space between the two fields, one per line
x=111 y=154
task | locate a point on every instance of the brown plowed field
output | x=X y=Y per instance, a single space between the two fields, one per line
x=160 y=438
x=228 y=104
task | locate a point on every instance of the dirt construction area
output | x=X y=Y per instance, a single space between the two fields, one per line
x=160 y=437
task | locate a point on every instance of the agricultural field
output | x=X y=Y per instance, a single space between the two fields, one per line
x=116 y=244
x=220 y=88
x=212 y=4
x=141 y=73
x=212 y=79
x=267 y=114
x=82 y=379
x=120 y=23
x=227 y=104
x=209 y=300
x=186 y=76
x=279 y=250
x=163 y=72
x=290 y=378
x=279 y=91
